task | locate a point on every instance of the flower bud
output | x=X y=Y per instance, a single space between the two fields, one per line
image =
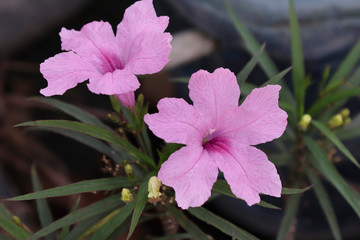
x=336 y=121
x=154 y=187
x=347 y=121
x=345 y=113
x=126 y=195
x=304 y=122
x=128 y=170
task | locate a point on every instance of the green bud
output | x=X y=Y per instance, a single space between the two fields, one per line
x=304 y=122
x=113 y=118
x=129 y=170
x=345 y=113
x=154 y=187
x=347 y=121
x=126 y=195
x=336 y=121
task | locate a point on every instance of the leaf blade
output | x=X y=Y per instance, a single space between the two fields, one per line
x=249 y=67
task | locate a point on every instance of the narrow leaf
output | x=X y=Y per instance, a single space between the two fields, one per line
x=42 y=206
x=323 y=164
x=249 y=67
x=92 y=142
x=180 y=79
x=347 y=133
x=187 y=224
x=97 y=208
x=65 y=231
x=298 y=73
x=73 y=111
x=223 y=225
x=277 y=77
x=103 y=184
x=289 y=191
x=13 y=229
x=289 y=217
x=332 y=98
x=325 y=203
x=345 y=68
x=333 y=138
x=222 y=187
x=96 y=132
x=139 y=207
x=108 y=228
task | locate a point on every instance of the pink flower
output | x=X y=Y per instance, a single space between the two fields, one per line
x=110 y=62
x=218 y=134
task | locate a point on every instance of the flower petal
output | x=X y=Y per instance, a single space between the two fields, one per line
x=117 y=82
x=65 y=71
x=149 y=53
x=248 y=172
x=140 y=36
x=191 y=173
x=214 y=94
x=260 y=118
x=127 y=99
x=95 y=42
x=176 y=122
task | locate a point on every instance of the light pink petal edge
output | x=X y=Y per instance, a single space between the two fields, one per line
x=191 y=173
x=65 y=71
x=248 y=172
x=176 y=122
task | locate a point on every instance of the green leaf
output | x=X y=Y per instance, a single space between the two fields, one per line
x=277 y=77
x=323 y=164
x=345 y=68
x=65 y=231
x=73 y=111
x=176 y=236
x=84 y=226
x=4 y=212
x=105 y=231
x=221 y=186
x=94 y=143
x=289 y=191
x=180 y=79
x=223 y=225
x=96 y=132
x=187 y=224
x=103 y=184
x=289 y=217
x=249 y=67
x=251 y=43
x=13 y=229
x=4 y=237
x=332 y=98
x=42 y=206
x=333 y=138
x=298 y=73
x=139 y=207
x=281 y=159
x=97 y=208
x=348 y=132
x=325 y=203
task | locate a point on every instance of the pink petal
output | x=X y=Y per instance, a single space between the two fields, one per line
x=248 y=172
x=149 y=53
x=191 y=173
x=141 y=38
x=176 y=122
x=95 y=42
x=127 y=99
x=65 y=71
x=117 y=82
x=214 y=94
x=260 y=118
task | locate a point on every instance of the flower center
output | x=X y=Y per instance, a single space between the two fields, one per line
x=214 y=143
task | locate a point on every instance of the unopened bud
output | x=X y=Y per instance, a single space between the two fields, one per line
x=347 y=121
x=113 y=118
x=345 y=113
x=154 y=187
x=126 y=195
x=129 y=170
x=304 y=122
x=336 y=121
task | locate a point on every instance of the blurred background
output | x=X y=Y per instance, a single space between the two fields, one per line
x=204 y=38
